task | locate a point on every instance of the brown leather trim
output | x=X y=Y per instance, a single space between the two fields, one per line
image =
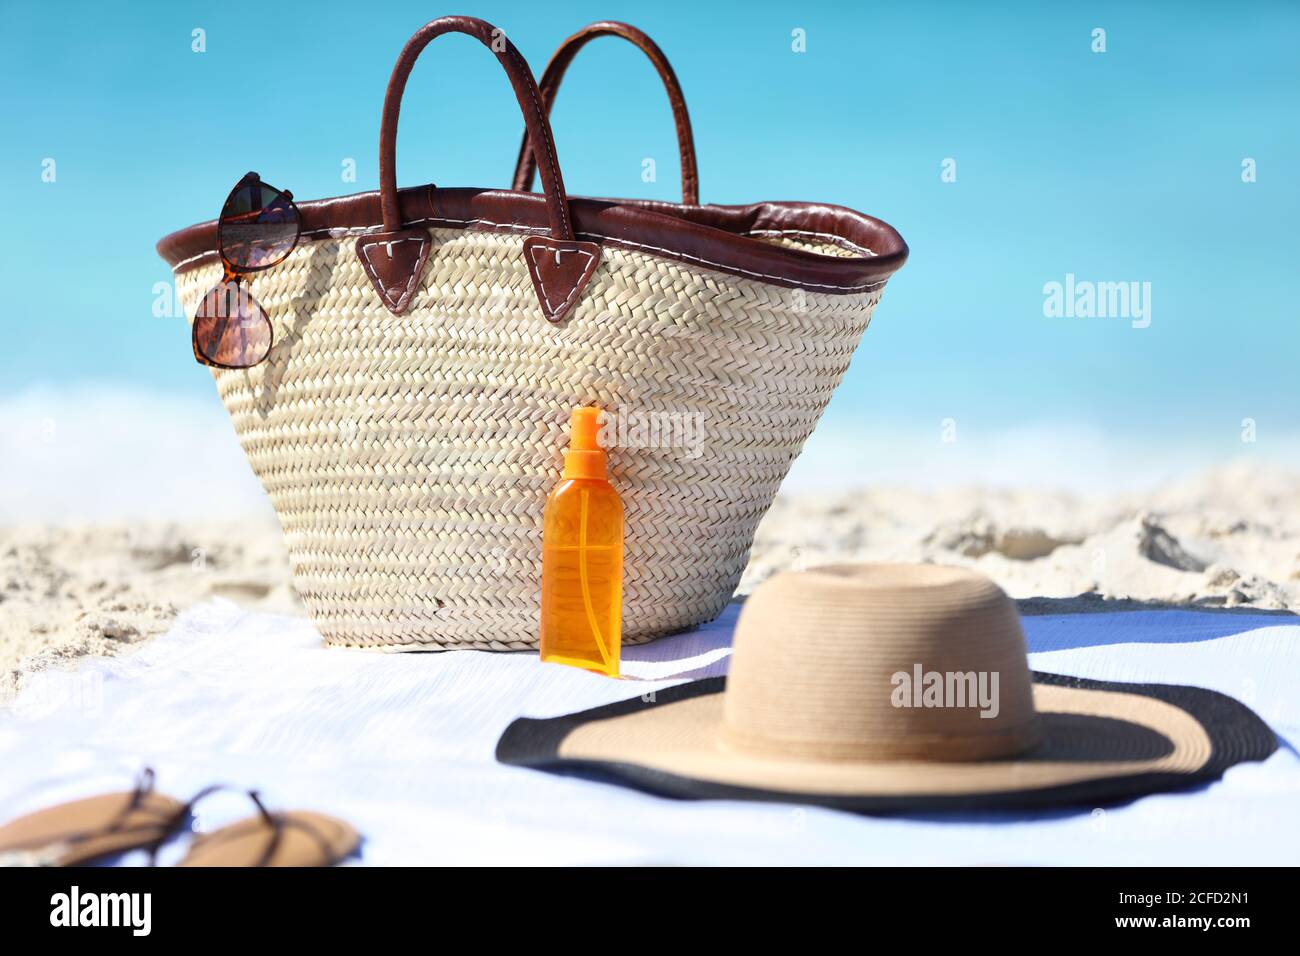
x=521 y=81
x=393 y=262
x=730 y=239
x=549 y=86
x=560 y=270
x=557 y=271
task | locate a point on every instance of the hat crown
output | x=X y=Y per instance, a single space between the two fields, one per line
x=873 y=661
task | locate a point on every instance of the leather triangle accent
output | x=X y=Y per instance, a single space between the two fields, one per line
x=561 y=269
x=393 y=261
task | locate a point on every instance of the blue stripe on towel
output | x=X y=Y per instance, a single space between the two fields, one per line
x=1059 y=632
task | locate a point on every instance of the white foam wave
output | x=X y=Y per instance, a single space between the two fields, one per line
x=94 y=452
x=103 y=452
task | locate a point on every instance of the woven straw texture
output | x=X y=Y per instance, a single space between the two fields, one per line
x=409 y=458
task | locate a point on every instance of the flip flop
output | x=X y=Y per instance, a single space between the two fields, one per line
x=281 y=838
x=81 y=831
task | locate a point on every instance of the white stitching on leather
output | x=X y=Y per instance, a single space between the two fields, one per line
x=561 y=199
x=760 y=275
x=374 y=276
x=184 y=262
x=537 y=273
x=596 y=237
x=336 y=232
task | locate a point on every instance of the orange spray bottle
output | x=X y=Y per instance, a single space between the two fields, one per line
x=582 y=557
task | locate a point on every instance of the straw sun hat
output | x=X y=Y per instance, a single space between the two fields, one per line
x=883 y=688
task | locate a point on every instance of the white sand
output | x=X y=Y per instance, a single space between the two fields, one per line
x=66 y=592
x=1225 y=538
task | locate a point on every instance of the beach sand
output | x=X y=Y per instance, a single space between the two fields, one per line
x=68 y=592
x=1229 y=537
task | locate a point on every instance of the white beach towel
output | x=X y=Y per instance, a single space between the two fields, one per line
x=402 y=747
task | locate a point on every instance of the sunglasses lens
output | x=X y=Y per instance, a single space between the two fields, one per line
x=259 y=226
x=230 y=328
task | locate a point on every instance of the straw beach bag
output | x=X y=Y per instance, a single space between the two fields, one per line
x=431 y=343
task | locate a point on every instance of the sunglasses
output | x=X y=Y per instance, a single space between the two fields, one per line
x=258 y=228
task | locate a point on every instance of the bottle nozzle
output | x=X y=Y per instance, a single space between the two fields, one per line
x=585 y=429
x=585 y=458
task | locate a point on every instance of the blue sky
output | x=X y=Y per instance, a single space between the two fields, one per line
x=1122 y=166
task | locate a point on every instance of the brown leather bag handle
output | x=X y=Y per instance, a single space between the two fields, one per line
x=554 y=75
x=559 y=264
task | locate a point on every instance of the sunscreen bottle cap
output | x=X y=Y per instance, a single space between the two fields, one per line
x=585 y=458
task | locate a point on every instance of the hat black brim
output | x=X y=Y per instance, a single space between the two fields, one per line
x=1236 y=734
